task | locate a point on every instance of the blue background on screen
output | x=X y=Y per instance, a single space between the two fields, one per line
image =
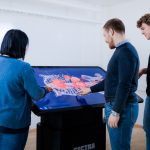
x=51 y=101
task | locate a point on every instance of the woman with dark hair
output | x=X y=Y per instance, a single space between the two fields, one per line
x=17 y=87
x=14 y=44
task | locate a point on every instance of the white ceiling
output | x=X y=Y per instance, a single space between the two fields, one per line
x=89 y=2
x=97 y=3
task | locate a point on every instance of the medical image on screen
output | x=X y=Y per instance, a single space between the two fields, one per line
x=66 y=82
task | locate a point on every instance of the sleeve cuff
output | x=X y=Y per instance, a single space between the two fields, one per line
x=46 y=91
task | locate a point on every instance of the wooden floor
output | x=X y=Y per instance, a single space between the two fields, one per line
x=138 y=140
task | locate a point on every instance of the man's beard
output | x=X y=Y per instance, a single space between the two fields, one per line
x=112 y=45
x=148 y=37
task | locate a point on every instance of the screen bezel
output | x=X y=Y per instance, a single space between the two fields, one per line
x=38 y=111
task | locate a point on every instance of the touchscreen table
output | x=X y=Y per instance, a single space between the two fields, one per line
x=66 y=116
x=66 y=82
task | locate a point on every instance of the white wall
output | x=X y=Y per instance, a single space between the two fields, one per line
x=70 y=33
x=59 y=34
x=59 y=39
x=130 y=12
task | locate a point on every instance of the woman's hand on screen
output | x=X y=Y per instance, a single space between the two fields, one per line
x=49 y=89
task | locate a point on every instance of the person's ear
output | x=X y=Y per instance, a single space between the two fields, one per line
x=111 y=32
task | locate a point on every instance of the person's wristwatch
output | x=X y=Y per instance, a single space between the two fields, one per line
x=115 y=114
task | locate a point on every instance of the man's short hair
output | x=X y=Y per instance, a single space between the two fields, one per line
x=115 y=24
x=144 y=19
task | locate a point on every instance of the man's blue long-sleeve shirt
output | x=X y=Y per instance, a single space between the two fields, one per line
x=121 y=79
